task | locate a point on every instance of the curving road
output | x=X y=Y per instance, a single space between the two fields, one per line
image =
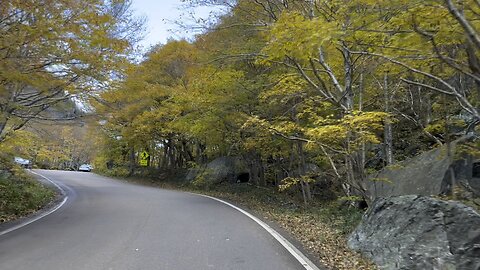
x=107 y=224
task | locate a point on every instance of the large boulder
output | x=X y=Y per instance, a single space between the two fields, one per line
x=430 y=173
x=417 y=232
x=421 y=175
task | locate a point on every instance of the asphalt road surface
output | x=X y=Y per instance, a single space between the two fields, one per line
x=107 y=224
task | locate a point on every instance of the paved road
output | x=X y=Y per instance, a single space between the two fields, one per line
x=106 y=224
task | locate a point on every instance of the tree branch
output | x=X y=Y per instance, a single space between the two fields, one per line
x=472 y=34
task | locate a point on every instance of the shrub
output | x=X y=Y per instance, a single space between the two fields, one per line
x=20 y=196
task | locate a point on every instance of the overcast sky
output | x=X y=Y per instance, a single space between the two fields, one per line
x=161 y=16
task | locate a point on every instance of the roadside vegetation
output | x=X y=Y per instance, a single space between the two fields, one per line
x=21 y=195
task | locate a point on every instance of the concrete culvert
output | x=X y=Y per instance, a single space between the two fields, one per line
x=243 y=178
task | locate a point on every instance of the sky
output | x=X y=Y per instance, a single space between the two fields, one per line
x=161 y=16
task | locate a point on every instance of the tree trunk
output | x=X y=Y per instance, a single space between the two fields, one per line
x=362 y=154
x=132 y=162
x=201 y=158
x=388 y=137
x=352 y=157
x=254 y=172
x=261 y=172
x=165 y=154
x=348 y=99
x=306 y=191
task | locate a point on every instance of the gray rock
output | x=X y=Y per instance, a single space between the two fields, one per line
x=192 y=173
x=417 y=232
x=219 y=170
x=427 y=174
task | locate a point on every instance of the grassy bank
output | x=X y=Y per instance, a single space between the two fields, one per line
x=321 y=227
x=20 y=195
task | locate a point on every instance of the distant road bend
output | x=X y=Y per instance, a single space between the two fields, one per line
x=107 y=224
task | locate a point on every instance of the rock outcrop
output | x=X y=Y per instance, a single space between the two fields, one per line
x=417 y=232
x=431 y=173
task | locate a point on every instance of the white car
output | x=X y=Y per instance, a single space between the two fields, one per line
x=85 y=168
x=23 y=162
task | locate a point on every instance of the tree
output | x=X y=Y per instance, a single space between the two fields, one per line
x=52 y=51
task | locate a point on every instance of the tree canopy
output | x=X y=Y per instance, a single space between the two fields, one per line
x=54 y=51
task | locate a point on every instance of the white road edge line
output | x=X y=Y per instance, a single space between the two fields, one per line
x=41 y=215
x=304 y=261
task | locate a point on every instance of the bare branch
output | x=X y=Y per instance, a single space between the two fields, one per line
x=428 y=86
x=471 y=32
x=329 y=71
